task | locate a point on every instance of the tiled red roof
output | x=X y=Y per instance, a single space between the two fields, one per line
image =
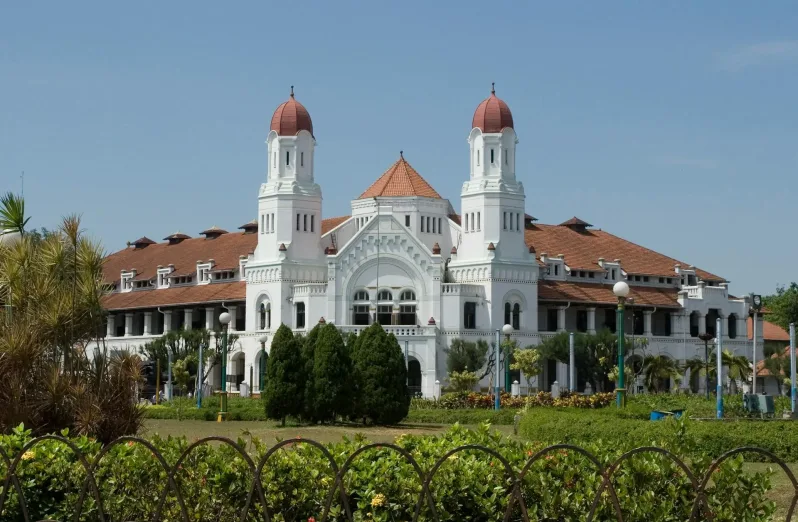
x=291 y=117
x=492 y=115
x=192 y=294
x=770 y=331
x=598 y=293
x=330 y=223
x=575 y=222
x=224 y=250
x=400 y=180
x=761 y=371
x=583 y=248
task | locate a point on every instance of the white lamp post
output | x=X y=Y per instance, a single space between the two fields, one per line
x=621 y=290
x=224 y=319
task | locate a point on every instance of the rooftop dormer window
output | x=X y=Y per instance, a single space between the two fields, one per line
x=139 y=285
x=127 y=281
x=224 y=275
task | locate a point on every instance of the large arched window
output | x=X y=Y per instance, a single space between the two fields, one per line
x=265 y=316
x=385 y=310
x=407 y=308
x=360 y=308
x=507 y=313
x=300 y=315
x=516 y=317
x=732 y=328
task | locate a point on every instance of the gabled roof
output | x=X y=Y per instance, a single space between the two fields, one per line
x=400 y=180
x=225 y=251
x=770 y=331
x=330 y=223
x=181 y=295
x=583 y=248
x=577 y=292
x=575 y=222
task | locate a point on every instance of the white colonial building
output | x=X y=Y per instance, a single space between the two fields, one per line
x=408 y=259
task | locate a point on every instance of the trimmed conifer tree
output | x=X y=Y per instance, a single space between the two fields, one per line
x=380 y=377
x=332 y=369
x=308 y=358
x=284 y=376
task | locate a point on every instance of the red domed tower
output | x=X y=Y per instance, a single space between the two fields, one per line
x=291 y=117
x=492 y=115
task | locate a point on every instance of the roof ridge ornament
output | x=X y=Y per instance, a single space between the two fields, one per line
x=493 y=88
x=292 y=91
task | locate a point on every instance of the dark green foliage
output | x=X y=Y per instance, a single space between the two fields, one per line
x=503 y=417
x=284 y=376
x=332 y=394
x=380 y=377
x=630 y=428
x=783 y=305
x=462 y=356
x=308 y=357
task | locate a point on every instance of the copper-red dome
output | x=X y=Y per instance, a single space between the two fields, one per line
x=291 y=117
x=492 y=115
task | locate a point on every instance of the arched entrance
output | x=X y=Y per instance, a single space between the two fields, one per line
x=414 y=377
x=236 y=373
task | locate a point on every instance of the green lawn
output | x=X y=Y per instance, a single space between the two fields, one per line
x=268 y=431
x=783 y=489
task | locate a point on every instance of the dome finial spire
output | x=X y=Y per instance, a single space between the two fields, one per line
x=402 y=154
x=493 y=87
x=292 y=91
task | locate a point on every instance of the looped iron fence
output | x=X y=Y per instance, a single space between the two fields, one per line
x=516 y=506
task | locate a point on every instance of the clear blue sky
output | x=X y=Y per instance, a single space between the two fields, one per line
x=672 y=124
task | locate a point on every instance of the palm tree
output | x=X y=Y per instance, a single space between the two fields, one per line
x=12 y=213
x=657 y=369
x=49 y=383
x=739 y=368
x=697 y=368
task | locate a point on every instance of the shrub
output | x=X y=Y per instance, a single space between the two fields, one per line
x=381 y=486
x=380 y=377
x=463 y=381
x=480 y=400
x=308 y=360
x=284 y=377
x=332 y=393
x=52 y=287
x=619 y=429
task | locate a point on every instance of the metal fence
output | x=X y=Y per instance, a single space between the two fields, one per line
x=516 y=507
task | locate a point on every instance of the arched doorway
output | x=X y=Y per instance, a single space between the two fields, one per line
x=236 y=373
x=413 y=377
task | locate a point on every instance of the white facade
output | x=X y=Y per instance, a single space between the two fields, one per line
x=405 y=261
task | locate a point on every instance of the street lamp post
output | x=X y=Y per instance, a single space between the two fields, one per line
x=497 y=401
x=706 y=337
x=224 y=318
x=262 y=370
x=507 y=330
x=621 y=290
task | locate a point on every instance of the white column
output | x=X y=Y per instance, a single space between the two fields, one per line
x=209 y=319
x=128 y=324
x=676 y=323
x=188 y=318
x=647 y=322
x=561 y=319
x=147 y=323
x=167 y=321
x=232 y=310
x=111 y=331
x=591 y=320
x=702 y=323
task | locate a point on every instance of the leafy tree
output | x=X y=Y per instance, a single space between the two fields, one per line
x=463 y=381
x=657 y=369
x=308 y=361
x=284 y=376
x=332 y=381
x=462 y=356
x=783 y=305
x=739 y=368
x=380 y=377
x=528 y=361
x=185 y=344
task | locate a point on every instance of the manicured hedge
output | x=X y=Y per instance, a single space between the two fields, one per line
x=238 y=409
x=381 y=485
x=622 y=429
x=469 y=417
